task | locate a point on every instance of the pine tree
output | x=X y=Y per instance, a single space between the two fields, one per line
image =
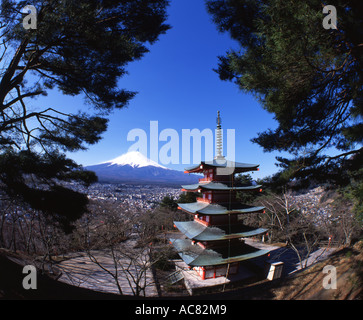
x=307 y=76
x=78 y=47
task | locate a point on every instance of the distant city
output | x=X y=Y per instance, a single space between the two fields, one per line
x=136 y=196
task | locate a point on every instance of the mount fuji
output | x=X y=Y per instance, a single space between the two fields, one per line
x=134 y=168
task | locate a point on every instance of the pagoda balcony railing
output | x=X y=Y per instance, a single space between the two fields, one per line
x=203 y=200
x=202 y=221
x=205 y=180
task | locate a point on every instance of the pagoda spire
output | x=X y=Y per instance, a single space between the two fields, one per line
x=219 y=138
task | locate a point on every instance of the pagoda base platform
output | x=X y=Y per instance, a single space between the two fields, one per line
x=195 y=285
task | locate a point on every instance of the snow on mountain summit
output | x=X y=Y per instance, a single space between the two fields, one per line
x=133 y=167
x=134 y=159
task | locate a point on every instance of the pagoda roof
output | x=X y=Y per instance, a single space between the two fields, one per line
x=195 y=255
x=205 y=208
x=216 y=163
x=217 y=186
x=197 y=231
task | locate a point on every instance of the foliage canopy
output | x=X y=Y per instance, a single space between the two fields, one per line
x=309 y=77
x=78 y=47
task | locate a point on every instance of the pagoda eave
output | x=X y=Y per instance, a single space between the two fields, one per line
x=199 y=232
x=196 y=256
x=214 y=186
x=212 y=209
x=237 y=167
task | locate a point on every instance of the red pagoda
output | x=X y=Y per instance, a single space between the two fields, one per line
x=213 y=244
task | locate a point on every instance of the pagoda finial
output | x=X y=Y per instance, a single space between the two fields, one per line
x=219 y=138
x=219 y=121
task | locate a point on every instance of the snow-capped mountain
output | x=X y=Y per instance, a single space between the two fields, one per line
x=134 y=167
x=134 y=159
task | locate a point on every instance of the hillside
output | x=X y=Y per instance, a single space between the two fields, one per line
x=305 y=285
x=308 y=284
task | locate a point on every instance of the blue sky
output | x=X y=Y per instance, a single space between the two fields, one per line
x=178 y=88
